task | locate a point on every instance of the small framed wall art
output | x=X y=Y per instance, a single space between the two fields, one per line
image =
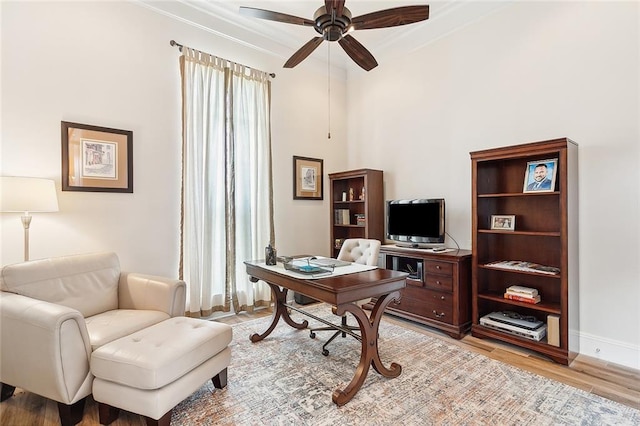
x=503 y=222
x=307 y=178
x=96 y=159
x=540 y=176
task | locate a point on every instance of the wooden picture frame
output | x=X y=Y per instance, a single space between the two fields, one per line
x=540 y=176
x=96 y=159
x=307 y=178
x=503 y=222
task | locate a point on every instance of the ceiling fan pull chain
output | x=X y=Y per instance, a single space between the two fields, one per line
x=329 y=90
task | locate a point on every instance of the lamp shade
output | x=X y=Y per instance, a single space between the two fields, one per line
x=27 y=194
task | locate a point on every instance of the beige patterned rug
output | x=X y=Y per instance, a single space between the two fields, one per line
x=285 y=380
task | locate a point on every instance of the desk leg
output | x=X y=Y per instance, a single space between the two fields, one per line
x=280 y=297
x=369 y=355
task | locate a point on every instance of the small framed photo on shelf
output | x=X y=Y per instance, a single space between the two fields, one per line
x=540 y=176
x=503 y=222
x=307 y=178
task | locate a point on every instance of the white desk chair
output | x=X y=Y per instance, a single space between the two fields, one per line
x=356 y=250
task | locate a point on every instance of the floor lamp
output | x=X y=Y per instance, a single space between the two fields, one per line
x=26 y=195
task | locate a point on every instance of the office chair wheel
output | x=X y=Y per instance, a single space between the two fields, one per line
x=312 y=334
x=325 y=352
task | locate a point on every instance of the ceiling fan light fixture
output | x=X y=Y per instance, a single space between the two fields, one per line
x=330 y=26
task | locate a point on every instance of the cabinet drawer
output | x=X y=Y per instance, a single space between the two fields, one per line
x=439 y=282
x=436 y=267
x=426 y=303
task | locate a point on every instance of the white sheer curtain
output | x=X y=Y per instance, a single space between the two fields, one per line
x=227 y=207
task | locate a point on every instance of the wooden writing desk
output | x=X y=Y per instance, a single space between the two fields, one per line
x=340 y=291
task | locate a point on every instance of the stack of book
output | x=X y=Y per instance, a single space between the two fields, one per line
x=522 y=294
x=360 y=219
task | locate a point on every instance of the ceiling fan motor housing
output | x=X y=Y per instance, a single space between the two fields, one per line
x=330 y=26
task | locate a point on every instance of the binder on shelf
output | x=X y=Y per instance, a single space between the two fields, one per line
x=553 y=330
x=341 y=216
x=345 y=217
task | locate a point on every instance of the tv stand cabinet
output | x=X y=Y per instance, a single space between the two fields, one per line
x=438 y=291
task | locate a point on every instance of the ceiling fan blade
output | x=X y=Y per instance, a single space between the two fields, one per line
x=303 y=52
x=275 y=16
x=358 y=52
x=391 y=17
x=338 y=5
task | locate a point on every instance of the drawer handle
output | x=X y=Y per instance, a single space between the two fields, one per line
x=438 y=315
x=438 y=282
x=438 y=267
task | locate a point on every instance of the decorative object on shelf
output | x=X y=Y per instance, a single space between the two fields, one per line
x=337 y=244
x=307 y=182
x=503 y=222
x=344 y=196
x=540 y=176
x=360 y=219
x=362 y=194
x=27 y=195
x=96 y=159
x=351 y=194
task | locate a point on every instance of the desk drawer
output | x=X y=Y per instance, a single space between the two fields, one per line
x=426 y=303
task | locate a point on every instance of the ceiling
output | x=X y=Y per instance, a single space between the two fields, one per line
x=282 y=40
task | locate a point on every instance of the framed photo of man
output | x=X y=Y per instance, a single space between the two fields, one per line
x=540 y=176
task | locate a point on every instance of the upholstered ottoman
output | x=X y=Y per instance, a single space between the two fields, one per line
x=150 y=371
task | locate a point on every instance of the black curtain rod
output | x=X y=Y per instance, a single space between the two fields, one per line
x=175 y=43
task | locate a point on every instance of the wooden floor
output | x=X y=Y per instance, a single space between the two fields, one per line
x=611 y=381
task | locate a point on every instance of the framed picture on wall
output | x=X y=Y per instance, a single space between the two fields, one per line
x=96 y=159
x=540 y=176
x=307 y=178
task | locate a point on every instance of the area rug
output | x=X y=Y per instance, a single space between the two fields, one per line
x=285 y=380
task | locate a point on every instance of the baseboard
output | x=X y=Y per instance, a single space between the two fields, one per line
x=609 y=350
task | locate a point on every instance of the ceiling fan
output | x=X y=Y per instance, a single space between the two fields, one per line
x=334 y=22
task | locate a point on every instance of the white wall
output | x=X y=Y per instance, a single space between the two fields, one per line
x=110 y=64
x=531 y=71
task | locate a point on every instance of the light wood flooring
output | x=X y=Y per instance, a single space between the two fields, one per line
x=611 y=381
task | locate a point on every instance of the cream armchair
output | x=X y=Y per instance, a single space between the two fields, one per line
x=55 y=312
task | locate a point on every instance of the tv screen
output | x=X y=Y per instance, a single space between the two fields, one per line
x=416 y=223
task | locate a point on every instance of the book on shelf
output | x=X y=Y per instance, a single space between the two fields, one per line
x=521 y=298
x=520 y=265
x=360 y=219
x=553 y=330
x=341 y=216
x=525 y=291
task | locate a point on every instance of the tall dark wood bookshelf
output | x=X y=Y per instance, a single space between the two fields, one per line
x=546 y=233
x=369 y=205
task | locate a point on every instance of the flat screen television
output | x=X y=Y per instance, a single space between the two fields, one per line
x=416 y=223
